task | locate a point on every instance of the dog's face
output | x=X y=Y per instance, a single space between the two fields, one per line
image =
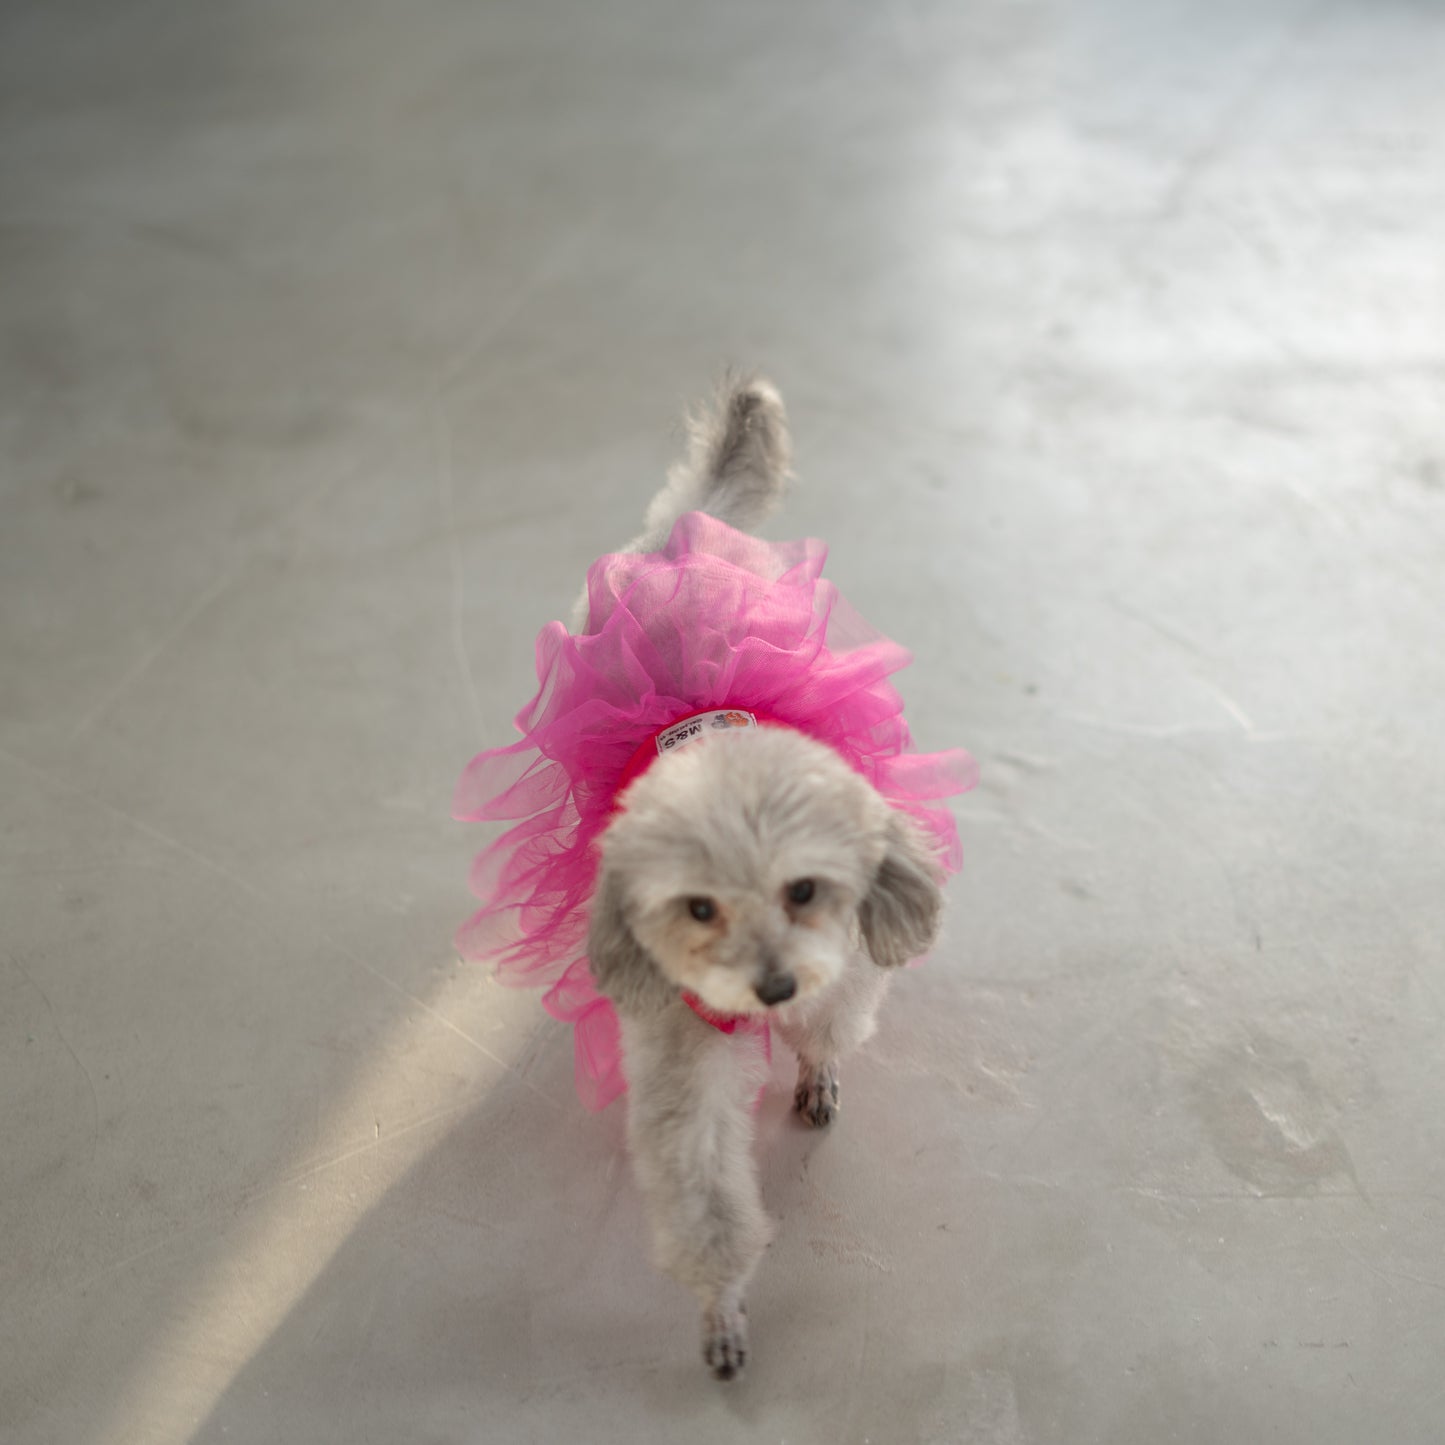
x=748 y=867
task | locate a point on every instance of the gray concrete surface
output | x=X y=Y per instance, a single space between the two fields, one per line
x=338 y=337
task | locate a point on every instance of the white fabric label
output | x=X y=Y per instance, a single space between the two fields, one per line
x=690 y=729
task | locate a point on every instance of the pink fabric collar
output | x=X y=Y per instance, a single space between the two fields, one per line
x=723 y=1023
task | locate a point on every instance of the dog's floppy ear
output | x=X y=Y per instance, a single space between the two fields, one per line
x=621 y=967
x=901 y=913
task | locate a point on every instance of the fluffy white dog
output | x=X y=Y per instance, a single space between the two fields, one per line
x=760 y=874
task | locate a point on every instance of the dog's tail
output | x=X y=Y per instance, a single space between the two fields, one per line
x=737 y=462
x=736 y=468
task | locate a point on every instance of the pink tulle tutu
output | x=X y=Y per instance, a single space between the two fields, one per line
x=716 y=620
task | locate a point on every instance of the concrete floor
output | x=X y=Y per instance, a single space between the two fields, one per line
x=337 y=338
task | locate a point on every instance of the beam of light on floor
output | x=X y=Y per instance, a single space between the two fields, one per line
x=288 y=1233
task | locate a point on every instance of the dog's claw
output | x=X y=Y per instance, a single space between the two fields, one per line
x=816 y=1097
x=725 y=1342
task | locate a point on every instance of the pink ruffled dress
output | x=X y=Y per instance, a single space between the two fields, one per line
x=715 y=620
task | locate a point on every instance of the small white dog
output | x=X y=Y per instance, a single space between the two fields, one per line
x=760 y=874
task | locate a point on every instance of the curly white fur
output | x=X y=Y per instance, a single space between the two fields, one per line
x=760 y=873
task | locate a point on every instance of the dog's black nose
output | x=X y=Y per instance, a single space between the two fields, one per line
x=776 y=988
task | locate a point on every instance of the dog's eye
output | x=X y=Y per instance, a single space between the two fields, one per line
x=702 y=909
x=802 y=891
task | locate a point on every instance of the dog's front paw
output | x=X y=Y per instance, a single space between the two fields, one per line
x=816 y=1097
x=725 y=1340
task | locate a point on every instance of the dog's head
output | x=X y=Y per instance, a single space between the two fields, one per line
x=747 y=867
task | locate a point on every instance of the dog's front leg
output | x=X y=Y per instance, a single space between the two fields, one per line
x=691 y=1090
x=825 y=1029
